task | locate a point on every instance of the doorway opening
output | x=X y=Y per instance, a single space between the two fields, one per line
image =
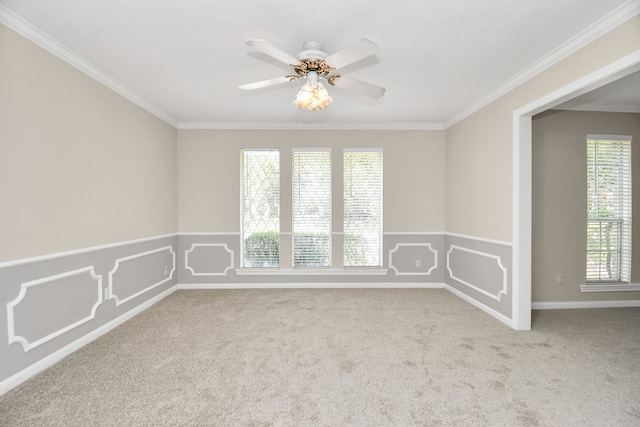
x=522 y=175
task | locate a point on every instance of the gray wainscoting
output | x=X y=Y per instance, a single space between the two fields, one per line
x=481 y=270
x=409 y=259
x=49 y=303
x=415 y=256
x=52 y=305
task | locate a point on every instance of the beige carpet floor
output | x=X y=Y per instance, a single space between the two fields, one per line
x=341 y=357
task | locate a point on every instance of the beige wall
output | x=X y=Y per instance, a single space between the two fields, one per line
x=209 y=174
x=479 y=154
x=79 y=165
x=560 y=200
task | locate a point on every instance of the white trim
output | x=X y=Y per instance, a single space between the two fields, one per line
x=565 y=305
x=522 y=223
x=211 y=233
x=28 y=31
x=498 y=260
x=332 y=285
x=312 y=149
x=610 y=287
x=480 y=239
x=414 y=233
x=501 y=317
x=603 y=107
x=363 y=150
x=522 y=174
x=110 y=293
x=192 y=248
x=620 y=68
x=310 y=272
x=24 y=287
x=610 y=137
x=421 y=273
x=385 y=233
x=82 y=251
x=250 y=149
x=46 y=362
x=617 y=17
x=310 y=126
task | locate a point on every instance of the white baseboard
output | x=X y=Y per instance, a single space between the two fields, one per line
x=311 y=285
x=610 y=287
x=491 y=312
x=54 y=358
x=561 y=305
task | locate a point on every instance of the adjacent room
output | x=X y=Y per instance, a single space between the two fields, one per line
x=319 y=213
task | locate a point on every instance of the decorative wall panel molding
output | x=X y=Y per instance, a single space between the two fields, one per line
x=208 y=259
x=413 y=259
x=50 y=306
x=479 y=271
x=136 y=274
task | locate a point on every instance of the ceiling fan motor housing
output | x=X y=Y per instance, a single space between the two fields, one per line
x=312 y=50
x=312 y=59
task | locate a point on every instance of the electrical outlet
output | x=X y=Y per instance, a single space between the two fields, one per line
x=418 y=263
x=166 y=270
x=560 y=279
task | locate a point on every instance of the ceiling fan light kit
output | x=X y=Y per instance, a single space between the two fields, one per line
x=313 y=95
x=313 y=63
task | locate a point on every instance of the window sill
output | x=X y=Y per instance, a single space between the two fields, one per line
x=310 y=272
x=610 y=287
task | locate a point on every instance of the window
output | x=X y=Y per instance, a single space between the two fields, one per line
x=312 y=186
x=362 y=208
x=608 y=208
x=311 y=191
x=260 y=208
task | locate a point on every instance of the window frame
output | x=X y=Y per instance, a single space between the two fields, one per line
x=286 y=229
x=597 y=247
x=330 y=232
x=242 y=208
x=380 y=201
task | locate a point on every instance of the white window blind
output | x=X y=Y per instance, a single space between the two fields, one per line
x=260 y=183
x=363 y=208
x=311 y=179
x=608 y=208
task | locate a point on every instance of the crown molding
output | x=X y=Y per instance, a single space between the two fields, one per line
x=309 y=126
x=33 y=34
x=617 y=17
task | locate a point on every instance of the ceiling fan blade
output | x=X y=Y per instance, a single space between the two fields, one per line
x=266 y=83
x=352 y=53
x=357 y=86
x=273 y=51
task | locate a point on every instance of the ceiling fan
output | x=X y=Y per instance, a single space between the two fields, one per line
x=313 y=64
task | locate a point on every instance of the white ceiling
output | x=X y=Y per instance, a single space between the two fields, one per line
x=438 y=59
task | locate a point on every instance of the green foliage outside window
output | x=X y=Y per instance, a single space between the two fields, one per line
x=262 y=249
